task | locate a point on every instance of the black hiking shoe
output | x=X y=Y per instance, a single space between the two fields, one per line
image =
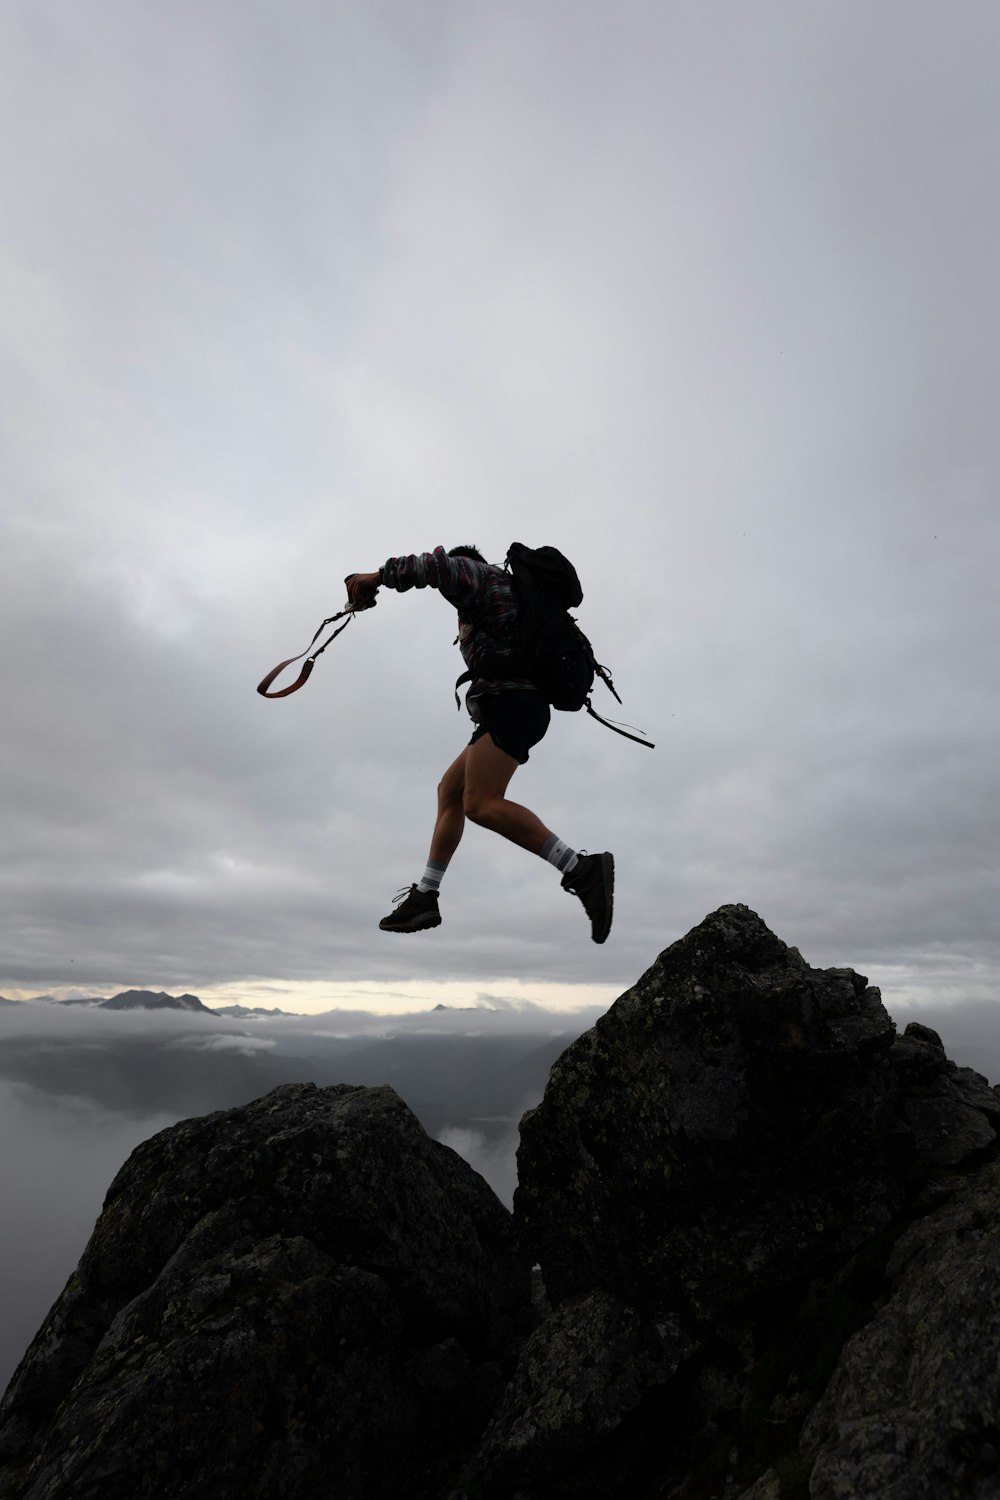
x=419 y=909
x=593 y=880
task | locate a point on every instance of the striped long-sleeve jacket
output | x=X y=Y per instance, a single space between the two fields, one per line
x=484 y=597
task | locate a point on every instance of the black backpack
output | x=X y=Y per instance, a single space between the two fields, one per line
x=548 y=645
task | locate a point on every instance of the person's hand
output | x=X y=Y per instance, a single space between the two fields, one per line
x=361 y=587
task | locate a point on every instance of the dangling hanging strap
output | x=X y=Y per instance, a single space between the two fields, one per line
x=624 y=732
x=309 y=653
x=605 y=677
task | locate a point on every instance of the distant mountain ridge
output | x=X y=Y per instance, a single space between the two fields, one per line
x=160 y=1000
x=145 y=1000
x=150 y=1000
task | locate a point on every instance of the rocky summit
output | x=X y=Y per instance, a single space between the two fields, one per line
x=304 y=1296
x=766 y=1232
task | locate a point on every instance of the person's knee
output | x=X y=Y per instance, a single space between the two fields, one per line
x=478 y=806
x=450 y=792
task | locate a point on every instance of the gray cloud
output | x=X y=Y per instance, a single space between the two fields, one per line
x=712 y=304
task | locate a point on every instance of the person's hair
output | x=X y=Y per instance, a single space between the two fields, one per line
x=472 y=552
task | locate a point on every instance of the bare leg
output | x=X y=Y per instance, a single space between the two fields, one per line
x=450 y=823
x=474 y=786
x=487 y=772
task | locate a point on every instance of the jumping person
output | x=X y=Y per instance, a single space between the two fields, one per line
x=511 y=715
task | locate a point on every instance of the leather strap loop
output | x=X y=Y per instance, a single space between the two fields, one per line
x=303 y=677
x=308 y=664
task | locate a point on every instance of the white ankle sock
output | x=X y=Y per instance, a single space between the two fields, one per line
x=432 y=877
x=559 y=854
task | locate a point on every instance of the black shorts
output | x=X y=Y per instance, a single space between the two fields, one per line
x=514 y=721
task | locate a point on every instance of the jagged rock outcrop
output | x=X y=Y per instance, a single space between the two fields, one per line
x=714 y=1185
x=768 y=1229
x=728 y=1123
x=302 y=1297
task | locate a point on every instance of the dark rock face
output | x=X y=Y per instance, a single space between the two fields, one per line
x=580 y=1378
x=727 y=1124
x=305 y=1296
x=913 y=1409
x=768 y=1229
x=722 y=1166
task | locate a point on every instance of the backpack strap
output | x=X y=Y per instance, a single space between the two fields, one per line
x=605 y=677
x=465 y=677
x=623 y=732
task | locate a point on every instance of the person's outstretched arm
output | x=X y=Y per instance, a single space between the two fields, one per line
x=459 y=579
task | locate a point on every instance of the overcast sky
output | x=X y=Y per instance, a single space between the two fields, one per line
x=703 y=293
